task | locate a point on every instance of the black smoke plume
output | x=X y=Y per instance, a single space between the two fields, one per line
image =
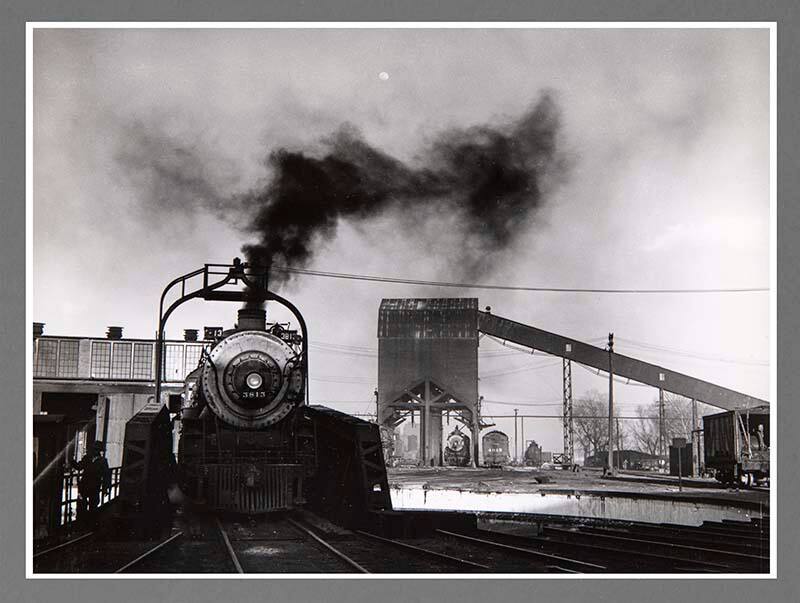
x=492 y=178
x=483 y=183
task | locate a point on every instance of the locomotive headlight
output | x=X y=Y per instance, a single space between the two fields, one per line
x=254 y=380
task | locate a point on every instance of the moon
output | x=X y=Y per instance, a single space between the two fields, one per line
x=383 y=75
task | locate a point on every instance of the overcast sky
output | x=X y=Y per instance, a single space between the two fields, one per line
x=665 y=134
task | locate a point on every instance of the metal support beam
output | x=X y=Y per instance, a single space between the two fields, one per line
x=611 y=466
x=661 y=433
x=427 y=422
x=695 y=447
x=569 y=429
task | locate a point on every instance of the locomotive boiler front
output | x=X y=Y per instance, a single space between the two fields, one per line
x=457 y=451
x=243 y=446
x=251 y=378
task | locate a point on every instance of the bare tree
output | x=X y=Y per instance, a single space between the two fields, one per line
x=590 y=418
x=677 y=422
x=645 y=430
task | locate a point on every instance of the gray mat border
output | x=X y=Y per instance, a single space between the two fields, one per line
x=14 y=331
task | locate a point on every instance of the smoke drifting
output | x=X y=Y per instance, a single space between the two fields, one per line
x=483 y=183
x=492 y=178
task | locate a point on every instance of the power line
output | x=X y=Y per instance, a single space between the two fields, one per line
x=343 y=379
x=386 y=279
x=560 y=417
x=346 y=402
x=616 y=379
x=522 y=403
x=364 y=351
x=519 y=369
x=654 y=348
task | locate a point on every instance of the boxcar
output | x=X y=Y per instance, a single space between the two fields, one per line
x=736 y=444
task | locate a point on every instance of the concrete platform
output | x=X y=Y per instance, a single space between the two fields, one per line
x=633 y=497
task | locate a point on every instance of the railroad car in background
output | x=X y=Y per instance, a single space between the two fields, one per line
x=533 y=455
x=495 y=449
x=456 y=452
x=736 y=444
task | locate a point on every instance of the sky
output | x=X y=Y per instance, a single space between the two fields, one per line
x=662 y=143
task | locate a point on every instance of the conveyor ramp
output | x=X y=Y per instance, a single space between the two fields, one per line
x=624 y=366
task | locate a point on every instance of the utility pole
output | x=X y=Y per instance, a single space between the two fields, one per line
x=569 y=432
x=695 y=451
x=522 y=438
x=660 y=426
x=516 y=410
x=611 y=404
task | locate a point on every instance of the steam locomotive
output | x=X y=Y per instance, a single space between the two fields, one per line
x=248 y=442
x=456 y=452
x=533 y=455
x=244 y=443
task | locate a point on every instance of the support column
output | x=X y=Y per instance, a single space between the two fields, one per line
x=476 y=451
x=695 y=447
x=660 y=424
x=569 y=431
x=421 y=448
x=435 y=445
x=427 y=423
x=611 y=404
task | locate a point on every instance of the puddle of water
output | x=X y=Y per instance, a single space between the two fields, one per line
x=648 y=510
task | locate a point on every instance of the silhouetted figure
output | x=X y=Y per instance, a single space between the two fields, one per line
x=762 y=445
x=95 y=476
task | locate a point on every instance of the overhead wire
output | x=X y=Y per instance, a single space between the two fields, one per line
x=405 y=281
x=654 y=348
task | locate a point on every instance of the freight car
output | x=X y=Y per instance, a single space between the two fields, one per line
x=736 y=444
x=495 y=449
x=248 y=442
x=456 y=452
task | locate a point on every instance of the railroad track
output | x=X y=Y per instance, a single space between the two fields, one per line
x=91 y=553
x=284 y=544
x=305 y=547
x=719 y=547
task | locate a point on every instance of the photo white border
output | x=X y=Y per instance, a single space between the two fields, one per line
x=33 y=25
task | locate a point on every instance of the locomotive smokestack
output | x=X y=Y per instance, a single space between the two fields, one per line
x=255 y=297
x=252 y=318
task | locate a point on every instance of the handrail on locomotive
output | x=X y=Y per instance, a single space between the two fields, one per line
x=256 y=280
